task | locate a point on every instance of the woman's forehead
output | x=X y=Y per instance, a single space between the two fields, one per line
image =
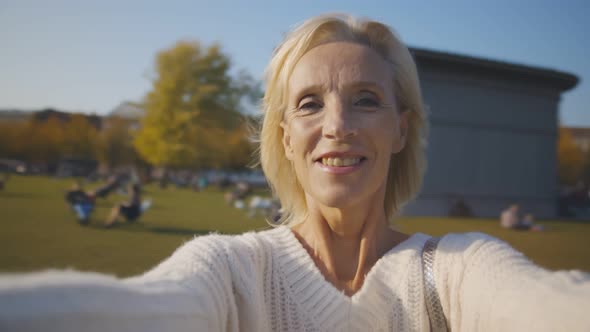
x=339 y=65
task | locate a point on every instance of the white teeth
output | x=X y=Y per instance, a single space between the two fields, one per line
x=340 y=162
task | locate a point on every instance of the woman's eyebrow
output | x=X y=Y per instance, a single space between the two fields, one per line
x=313 y=88
x=367 y=85
x=306 y=90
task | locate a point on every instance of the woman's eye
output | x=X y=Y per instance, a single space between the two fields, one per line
x=367 y=102
x=310 y=106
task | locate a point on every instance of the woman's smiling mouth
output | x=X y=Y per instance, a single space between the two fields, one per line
x=340 y=164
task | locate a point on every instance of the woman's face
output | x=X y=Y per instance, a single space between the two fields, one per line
x=342 y=125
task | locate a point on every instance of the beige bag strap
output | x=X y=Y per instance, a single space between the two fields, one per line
x=438 y=322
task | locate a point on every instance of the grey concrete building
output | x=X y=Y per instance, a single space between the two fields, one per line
x=493 y=135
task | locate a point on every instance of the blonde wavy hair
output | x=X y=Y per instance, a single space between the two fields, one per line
x=406 y=169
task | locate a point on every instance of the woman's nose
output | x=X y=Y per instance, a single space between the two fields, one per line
x=338 y=121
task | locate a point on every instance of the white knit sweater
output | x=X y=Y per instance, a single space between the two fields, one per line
x=267 y=282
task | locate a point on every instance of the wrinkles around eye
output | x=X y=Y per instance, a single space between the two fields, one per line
x=310 y=106
x=364 y=102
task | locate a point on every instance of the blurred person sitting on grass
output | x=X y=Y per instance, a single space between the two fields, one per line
x=130 y=209
x=81 y=202
x=342 y=143
x=510 y=219
x=529 y=222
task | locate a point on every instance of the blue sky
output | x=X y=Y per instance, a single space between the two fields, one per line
x=91 y=55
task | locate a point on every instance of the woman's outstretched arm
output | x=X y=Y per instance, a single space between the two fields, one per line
x=191 y=290
x=499 y=289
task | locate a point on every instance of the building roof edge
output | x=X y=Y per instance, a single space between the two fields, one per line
x=562 y=80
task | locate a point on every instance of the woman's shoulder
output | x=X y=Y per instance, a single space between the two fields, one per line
x=451 y=243
x=214 y=242
x=467 y=243
x=467 y=248
x=217 y=253
x=233 y=244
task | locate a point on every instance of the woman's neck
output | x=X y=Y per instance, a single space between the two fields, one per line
x=346 y=244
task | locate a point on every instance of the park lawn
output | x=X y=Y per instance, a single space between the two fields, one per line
x=39 y=231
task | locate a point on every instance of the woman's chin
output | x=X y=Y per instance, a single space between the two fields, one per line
x=339 y=198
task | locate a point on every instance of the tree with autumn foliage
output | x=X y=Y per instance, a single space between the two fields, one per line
x=115 y=143
x=10 y=144
x=80 y=138
x=193 y=108
x=46 y=140
x=571 y=160
x=40 y=141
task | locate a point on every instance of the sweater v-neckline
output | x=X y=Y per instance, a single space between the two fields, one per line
x=311 y=289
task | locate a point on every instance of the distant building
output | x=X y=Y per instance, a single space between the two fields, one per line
x=64 y=117
x=493 y=135
x=14 y=116
x=128 y=110
x=44 y=114
x=581 y=137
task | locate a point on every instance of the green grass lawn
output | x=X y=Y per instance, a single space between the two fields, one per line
x=39 y=231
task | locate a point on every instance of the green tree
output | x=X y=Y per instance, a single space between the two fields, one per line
x=193 y=101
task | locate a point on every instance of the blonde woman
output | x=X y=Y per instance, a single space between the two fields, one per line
x=342 y=144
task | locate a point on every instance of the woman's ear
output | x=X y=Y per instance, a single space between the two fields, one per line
x=400 y=140
x=287 y=141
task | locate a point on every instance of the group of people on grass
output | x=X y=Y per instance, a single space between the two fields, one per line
x=82 y=202
x=510 y=219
